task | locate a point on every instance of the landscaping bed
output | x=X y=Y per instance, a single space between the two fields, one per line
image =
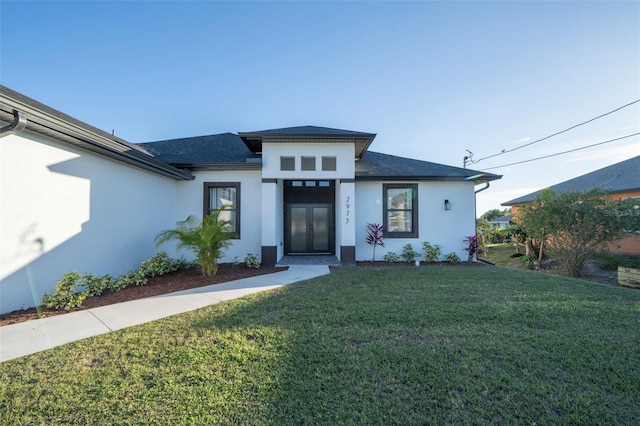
x=176 y=281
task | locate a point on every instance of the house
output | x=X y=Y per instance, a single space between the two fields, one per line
x=621 y=181
x=74 y=197
x=501 y=222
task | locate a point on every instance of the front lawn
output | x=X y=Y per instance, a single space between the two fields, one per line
x=364 y=345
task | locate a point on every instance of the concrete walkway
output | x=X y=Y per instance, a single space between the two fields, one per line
x=29 y=337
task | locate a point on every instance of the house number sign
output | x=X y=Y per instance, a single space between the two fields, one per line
x=347 y=205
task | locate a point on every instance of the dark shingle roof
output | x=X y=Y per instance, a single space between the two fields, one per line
x=303 y=134
x=619 y=177
x=222 y=148
x=506 y=218
x=52 y=123
x=309 y=131
x=374 y=166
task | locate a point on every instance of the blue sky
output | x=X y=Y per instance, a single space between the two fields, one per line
x=432 y=79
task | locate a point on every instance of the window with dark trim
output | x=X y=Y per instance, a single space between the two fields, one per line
x=218 y=194
x=287 y=163
x=308 y=163
x=329 y=164
x=400 y=210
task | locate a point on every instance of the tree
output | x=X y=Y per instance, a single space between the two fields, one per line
x=573 y=225
x=492 y=214
x=207 y=239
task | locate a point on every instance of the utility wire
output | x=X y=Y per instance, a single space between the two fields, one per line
x=505 y=151
x=563 y=152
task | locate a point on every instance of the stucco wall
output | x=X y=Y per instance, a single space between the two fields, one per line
x=447 y=228
x=344 y=153
x=190 y=201
x=65 y=209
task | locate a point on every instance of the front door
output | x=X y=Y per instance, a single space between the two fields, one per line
x=309 y=229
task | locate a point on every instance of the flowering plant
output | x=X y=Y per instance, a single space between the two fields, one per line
x=472 y=246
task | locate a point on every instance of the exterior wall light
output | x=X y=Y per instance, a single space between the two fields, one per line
x=447 y=205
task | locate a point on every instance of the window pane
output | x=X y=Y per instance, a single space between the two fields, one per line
x=329 y=164
x=400 y=221
x=223 y=196
x=308 y=163
x=287 y=163
x=399 y=198
x=229 y=215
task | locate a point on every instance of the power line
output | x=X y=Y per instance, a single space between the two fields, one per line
x=563 y=152
x=505 y=151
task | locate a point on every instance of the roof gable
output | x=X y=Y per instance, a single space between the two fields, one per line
x=619 y=177
x=308 y=134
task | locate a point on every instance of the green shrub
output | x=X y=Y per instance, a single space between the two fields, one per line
x=409 y=254
x=452 y=258
x=131 y=278
x=252 y=261
x=235 y=262
x=609 y=261
x=391 y=257
x=158 y=265
x=431 y=252
x=529 y=261
x=64 y=296
x=119 y=284
x=96 y=285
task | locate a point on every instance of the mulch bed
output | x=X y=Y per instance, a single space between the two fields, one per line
x=177 y=281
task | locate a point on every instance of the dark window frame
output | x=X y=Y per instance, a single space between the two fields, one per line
x=306 y=161
x=206 y=202
x=329 y=163
x=414 y=233
x=287 y=158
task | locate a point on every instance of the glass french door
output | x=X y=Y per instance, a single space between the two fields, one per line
x=309 y=229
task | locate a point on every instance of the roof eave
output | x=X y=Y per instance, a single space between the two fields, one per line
x=47 y=124
x=429 y=178
x=218 y=166
x=254 y=140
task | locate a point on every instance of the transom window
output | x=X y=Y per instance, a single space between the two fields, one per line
x=287 y=163
x=218 y=194
x=329 y=164
x=400 y=215
x=308 y=163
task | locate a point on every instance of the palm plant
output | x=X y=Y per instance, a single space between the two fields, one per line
x=207 y=239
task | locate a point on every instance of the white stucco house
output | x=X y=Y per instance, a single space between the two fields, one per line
x=73 y=197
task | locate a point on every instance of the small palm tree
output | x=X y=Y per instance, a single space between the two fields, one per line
x=207 y=239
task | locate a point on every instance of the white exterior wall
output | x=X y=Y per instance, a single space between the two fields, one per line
x=447 y=228
x=346 y=222
x=64 y=209
x=272 y=211
x=344 y=153
x=190 y=201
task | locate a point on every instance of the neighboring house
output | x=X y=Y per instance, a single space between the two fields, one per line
x=501 y=222
x=620 y=181
x=74 y=197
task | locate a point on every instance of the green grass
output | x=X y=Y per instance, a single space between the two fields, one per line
x=500 y=254
x=390 y=345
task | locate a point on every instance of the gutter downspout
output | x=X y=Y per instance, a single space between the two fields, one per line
x=482 y=189
x=475 y=217
x=18 y=125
